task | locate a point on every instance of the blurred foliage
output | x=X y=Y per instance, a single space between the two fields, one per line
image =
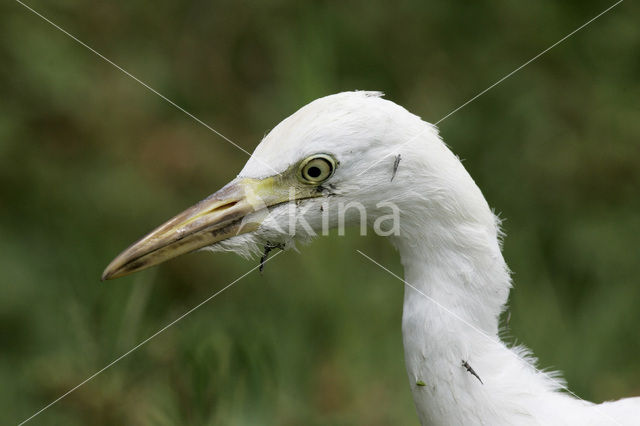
x=90 y=160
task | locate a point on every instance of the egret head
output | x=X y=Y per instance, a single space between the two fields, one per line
x=324 y=166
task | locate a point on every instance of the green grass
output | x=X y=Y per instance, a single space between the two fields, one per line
x=90 y=160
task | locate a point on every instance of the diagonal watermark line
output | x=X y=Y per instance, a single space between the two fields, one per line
x=528 y=62
x=124 y=355
x=145 y=85
x=396 y=150
x=473 y=327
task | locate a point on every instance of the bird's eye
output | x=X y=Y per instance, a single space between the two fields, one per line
x=317 y=169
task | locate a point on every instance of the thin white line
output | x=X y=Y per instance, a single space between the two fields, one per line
x=147 y=340
x=528 y=62
x=141 y=82
x=493 y=340
x=396 y=150
x=431 y=299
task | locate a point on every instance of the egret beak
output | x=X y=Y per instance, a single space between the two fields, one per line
x=220 y=216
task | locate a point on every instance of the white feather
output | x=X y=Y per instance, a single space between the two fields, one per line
x=450 y=246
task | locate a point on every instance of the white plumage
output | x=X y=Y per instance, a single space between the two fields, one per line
x=450 y=249
x=449 y=243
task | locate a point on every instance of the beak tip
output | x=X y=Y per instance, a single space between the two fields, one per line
x=112 y=271
x=106 y=275
x=214 y=219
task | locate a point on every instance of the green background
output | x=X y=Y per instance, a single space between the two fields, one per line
x=90 y=160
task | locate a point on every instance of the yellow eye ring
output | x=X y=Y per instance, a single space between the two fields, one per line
x=316 y=169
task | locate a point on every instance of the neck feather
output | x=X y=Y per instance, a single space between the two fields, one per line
x=457 y=286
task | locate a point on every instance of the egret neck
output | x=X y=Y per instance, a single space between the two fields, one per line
x=456 y=287
x=356 y=147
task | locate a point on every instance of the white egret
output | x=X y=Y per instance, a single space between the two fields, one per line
x=357 y=147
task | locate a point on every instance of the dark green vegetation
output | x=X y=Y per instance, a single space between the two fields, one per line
x=90 y=161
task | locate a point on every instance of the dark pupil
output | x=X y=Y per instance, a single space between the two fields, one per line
x=314 y=171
